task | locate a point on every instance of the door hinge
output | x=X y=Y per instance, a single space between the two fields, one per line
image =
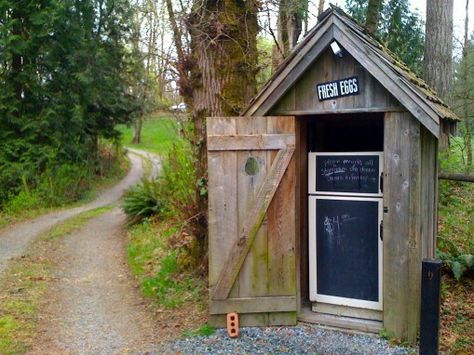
x=381 y=182
x=381 y=231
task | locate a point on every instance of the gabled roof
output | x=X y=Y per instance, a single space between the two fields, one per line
x=334 y=24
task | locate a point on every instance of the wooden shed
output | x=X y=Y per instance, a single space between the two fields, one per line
x=323 y=194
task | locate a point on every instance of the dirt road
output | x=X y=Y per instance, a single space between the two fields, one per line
x=93 y=306
x=15 y=239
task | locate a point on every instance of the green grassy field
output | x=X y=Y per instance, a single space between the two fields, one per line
x=158 y=134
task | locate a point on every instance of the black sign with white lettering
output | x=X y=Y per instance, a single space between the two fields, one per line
x=338 y=88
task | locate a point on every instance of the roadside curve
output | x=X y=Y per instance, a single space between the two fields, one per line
x=14 y=239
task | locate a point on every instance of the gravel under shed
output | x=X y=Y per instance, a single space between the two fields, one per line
x=301 y=339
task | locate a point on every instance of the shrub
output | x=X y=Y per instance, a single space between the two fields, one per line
x=65 y=183
x=171 y=194
x=178 y=177
x=25 y=187
x=143 y=201
x=459 y=265
x=23 y=201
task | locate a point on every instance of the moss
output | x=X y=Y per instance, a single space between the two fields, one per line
x=400 y=66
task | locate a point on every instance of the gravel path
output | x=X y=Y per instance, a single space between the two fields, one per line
x=93 y=306
x=154 y=159
x=14 y=239
x=302 y=339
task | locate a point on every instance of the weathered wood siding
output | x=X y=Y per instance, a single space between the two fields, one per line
x=429 y=188
x=302 y=98
x=403 y=227
x=264 y=292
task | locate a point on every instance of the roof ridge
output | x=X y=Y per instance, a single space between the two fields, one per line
x=397 y=62
x=401 y=74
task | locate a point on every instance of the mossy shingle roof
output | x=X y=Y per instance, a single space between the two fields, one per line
x=410 y=90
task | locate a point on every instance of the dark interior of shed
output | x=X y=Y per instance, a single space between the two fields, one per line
x=345 y=133
x=361 y=132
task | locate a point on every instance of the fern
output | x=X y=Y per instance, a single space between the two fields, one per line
x=143 y=201
x=458 y=265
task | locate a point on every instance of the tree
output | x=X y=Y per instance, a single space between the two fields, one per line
x=63 y=74
x=464 y=90
x=399 y=29
x=373 y=13
x=468 y=119
x=320 y=7
x=291 y=14
x=147 y=79
x=438 y=46
x=357 y=9
x=217 y=65
x=402 y=32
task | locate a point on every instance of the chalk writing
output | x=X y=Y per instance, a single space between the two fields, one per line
x=347 y=248
x=334 y=225
x=347 y=174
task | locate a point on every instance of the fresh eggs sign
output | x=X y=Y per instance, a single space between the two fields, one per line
x=338 y=88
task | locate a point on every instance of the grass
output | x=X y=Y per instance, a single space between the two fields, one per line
x=204 y=330
x=25 y=283
x=157 y=267
x=158 y=134
x=177 y=293
x=159 y=251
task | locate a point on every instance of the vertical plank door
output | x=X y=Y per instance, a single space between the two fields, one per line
x=252 y=266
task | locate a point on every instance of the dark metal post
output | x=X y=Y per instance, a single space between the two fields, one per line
x=430 y=302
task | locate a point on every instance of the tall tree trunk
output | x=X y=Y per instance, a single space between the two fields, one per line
x=17 y=58
x=320 y=7
x=290 y=24
x=467 y=119
x=439 y=46
x=184 y=63
x=373 y=13
x=137 y=130
x=224 y=66
x=438 y=52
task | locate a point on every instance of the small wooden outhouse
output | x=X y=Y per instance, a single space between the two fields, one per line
x=323 y=194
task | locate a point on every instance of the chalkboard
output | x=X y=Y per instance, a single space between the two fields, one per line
x=347 y=248
x=347 y=173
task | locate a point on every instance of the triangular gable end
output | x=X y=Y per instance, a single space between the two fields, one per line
x=412 y=93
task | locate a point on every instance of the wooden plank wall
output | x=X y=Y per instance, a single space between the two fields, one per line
x=302 y=98
x=429 y=187
x=269 y=267
x=302 y=255
x=402 y=225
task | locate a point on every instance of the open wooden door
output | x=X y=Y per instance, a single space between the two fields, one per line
x=252 y=266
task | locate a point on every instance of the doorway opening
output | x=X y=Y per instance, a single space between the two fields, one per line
x=341 y=223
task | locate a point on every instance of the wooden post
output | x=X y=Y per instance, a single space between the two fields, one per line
x=430 y=300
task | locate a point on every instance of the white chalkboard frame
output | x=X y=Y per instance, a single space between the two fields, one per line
x=312 y=173
x=314 y=296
